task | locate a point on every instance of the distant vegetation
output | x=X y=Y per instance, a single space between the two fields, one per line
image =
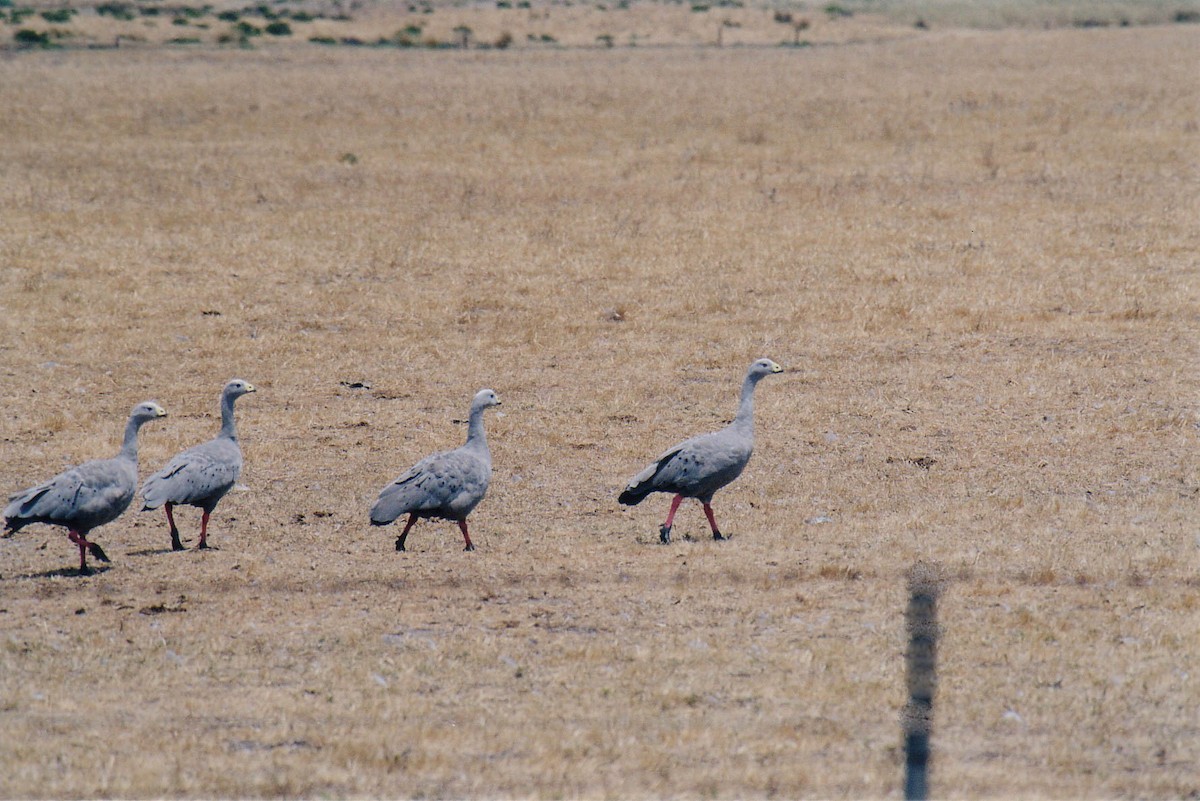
x=37 y=23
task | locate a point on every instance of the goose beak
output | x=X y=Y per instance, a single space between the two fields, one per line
x=251 y=388
x=775 y=368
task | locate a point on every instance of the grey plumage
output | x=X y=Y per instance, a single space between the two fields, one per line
x=698 y=467
x=87 y=496
x=201 y=475
x=445 y=485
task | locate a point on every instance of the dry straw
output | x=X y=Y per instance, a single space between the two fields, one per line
x=975 y=251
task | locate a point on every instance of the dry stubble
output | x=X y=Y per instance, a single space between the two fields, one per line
x=976 y=253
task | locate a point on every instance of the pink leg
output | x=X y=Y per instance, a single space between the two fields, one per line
x=404 y=534
x=79 y=540
x=203 y=531
x=678 y=499
x=176 y=545
x=462 y=526
x=712 y=522
x=664 y=531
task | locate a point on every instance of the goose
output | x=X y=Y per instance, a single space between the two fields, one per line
x=201 y=475
x=698 y=467
x=446 y=485
x=87 y=496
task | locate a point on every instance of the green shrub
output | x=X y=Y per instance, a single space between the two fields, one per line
x=30 y=38
x=322 y=40
x=279 y=28
x=246 y=30
x=58 y=15
x=116 y=10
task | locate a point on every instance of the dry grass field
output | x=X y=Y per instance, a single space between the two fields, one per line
x=975 y=252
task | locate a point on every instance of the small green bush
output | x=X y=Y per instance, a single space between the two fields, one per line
x=30 y=38
x=279 y=28
x=116 y=10
x=322 y=40
x=246 y=30
x=229 y=16
x=58 y=15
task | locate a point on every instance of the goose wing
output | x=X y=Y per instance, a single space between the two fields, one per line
x=201 y=473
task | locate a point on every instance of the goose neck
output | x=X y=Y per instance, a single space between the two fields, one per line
x=745 y=412
x=129 y=446
x=475 y=432
x=228 y=427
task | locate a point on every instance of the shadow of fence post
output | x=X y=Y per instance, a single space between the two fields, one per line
x=924 y=587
